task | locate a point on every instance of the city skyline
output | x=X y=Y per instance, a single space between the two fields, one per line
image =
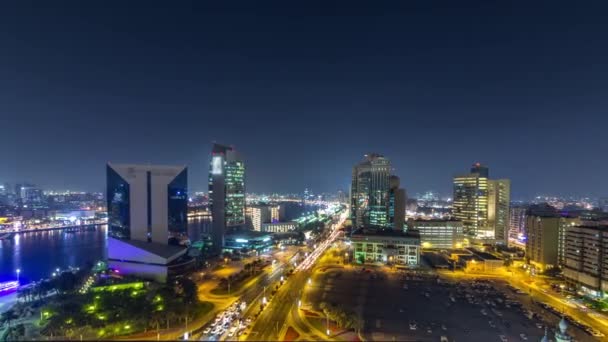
x=444 y=88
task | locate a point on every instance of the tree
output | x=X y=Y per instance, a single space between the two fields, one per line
x=66 y=282
x=8 y=316
x=19 y=331
x=357 y=323
x=189 y=289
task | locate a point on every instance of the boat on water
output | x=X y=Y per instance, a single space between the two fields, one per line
x=6 y=236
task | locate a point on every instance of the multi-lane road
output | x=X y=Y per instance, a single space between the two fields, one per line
x=282 y=309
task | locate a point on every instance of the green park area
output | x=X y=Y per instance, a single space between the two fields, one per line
x=122 y=309
x=60 y=309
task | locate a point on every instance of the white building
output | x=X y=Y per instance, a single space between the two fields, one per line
x=147 y=208
x=257 y=215
x=279 y=227
x=386 y=246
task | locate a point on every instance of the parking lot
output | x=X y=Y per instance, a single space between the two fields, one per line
x=408 y=306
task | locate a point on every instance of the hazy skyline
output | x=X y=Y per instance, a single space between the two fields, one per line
x=304 y=90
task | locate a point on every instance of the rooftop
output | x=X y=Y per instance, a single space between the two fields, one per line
x=483 y=255
x=386 y=232
x=164 y=251
x=247 y=234
x=436 y=220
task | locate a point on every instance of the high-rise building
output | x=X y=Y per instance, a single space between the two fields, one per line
x=481 y=170
x=470 y=204
x=226 y=192
x=370 y=192
x=30 y=195
x=482 y=204
x=396 y=207
x=147 y=218
x=277 y=213
x=517 y=222
x=499 y=197
x=257 y=215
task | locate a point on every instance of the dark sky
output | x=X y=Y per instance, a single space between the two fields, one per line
x=304 y=89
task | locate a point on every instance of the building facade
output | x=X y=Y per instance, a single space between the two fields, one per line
x=257 y=215
x=517 y=222
x=439 y=234
x=370 y=192
x=470 y=205
x=396 y=205
x=545 y=240
x=375 y=197
x=226 y=192
x=147 y=212
x=277 y=212
x=280 y=227
x=482 y=205
x=586 y=262
x=386 y=246
x=499 y=198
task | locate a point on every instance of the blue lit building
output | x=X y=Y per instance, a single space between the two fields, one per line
x=247 y=241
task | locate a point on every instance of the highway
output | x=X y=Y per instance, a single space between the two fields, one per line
x=283 y=306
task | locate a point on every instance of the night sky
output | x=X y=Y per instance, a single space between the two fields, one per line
x=305 y=89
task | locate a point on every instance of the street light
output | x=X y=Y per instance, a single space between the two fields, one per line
x=18 y=272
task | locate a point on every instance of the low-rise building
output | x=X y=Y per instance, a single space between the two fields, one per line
x=386 y=246
x=279 y=227
x=244 y=241
x=439 y=234
x=475 y=261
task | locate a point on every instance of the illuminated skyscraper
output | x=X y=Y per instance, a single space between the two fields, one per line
x=470 y=204
x=226 y=192
x=499 y=197
x=370 y=192
x=482 y=204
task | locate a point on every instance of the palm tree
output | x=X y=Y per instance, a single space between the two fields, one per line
x=170 y=315
x=8 y=316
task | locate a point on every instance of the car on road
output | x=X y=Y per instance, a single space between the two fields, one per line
x=413 y=326
x=503 y=338
x=523 y=336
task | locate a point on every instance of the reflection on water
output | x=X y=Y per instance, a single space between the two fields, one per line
x=38 y=254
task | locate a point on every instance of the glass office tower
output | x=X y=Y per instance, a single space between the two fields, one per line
x=370 y=192
x=226 y=192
